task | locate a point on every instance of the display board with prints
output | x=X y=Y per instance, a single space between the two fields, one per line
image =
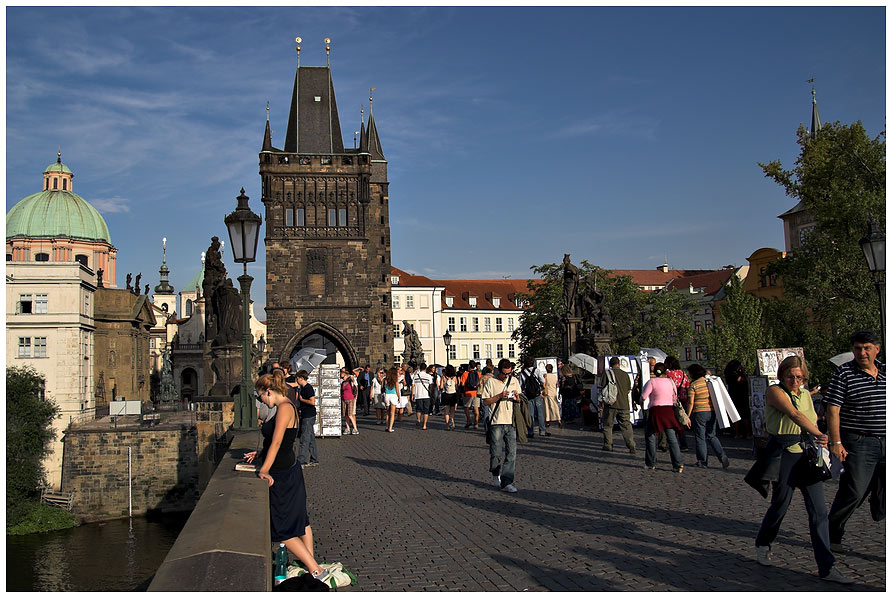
x=758 y=389
x=328 y=393
x=768 y=360
x=632 y=365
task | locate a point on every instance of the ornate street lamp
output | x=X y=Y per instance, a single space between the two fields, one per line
x=244 y=230
x=447 y=338
x=874 y=247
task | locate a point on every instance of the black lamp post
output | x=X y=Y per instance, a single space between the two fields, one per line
x=447 y=338
x=244 y=230
x=874 y=247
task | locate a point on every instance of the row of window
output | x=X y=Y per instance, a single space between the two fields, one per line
x=410 y=302
x=25 y=346
x=56 y=184
x=45 y=257
x=687 y=354
x=707 y=324
x=487 y=351
x=475 y=324
x=336 y=217
x=39 y=304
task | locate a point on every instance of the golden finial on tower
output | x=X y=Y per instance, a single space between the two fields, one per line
x=298 y=40
x=327 y=50
x=362 y=114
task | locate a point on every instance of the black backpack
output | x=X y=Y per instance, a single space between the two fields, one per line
x=472 y=381
x=531 y=386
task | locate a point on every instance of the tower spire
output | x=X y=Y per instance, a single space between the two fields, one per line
x=373 y=142
x=815 y=117
x=164 y=287
x=267 y=134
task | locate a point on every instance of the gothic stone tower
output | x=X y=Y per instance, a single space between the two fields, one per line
x=327 y=231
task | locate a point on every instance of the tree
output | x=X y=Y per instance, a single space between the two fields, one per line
x=29 y=432
x=639 y=319
x=739 y=331
x=840 y=175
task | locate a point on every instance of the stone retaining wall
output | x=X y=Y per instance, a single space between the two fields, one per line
x=163 y=468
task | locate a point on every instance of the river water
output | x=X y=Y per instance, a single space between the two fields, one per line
x=114 y=555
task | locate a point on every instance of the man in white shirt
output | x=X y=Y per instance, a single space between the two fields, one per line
x=501 y=392
x=421 y=384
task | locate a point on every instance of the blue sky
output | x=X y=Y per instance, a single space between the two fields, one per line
x=624 y=136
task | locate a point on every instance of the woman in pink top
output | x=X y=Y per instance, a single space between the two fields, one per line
x=348 y=400
x=658 y=396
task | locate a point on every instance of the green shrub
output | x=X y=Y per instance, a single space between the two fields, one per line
x=39 y=517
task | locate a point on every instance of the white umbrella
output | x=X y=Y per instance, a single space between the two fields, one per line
x=655 y=353
x=307 y=359
x=842 y=358
x=586 y=362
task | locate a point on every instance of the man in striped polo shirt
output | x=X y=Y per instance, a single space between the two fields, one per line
x=856 y=427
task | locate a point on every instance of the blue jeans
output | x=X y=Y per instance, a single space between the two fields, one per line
x=504 y=442
x=537 y=413
x=306 y=443
x=818 y=527
x=703 y=423
x=865 y=473
x=650 y=445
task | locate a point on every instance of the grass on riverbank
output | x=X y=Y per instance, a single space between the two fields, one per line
x=40 y=517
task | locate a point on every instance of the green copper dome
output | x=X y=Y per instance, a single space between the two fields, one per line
x=55 y=214
x=57 y=167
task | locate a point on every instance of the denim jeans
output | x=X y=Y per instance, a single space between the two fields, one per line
x=703 y=423
x=650 y=445
x=537 y=413
x=865 y=473
x=307 y=441
x=504 y=442
x=818 y=527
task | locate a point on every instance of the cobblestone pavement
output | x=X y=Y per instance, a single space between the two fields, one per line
x=416 y=510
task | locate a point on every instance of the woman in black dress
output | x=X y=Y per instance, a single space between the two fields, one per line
x=289 y=523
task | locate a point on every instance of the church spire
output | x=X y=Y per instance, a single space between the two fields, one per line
x=373 y=142
x=313 y=124
x=815 y=117
x=267 y=134
x=164 y=287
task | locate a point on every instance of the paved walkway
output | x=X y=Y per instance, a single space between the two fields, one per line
x=415 y=510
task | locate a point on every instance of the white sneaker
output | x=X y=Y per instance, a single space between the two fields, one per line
x=763 y=555
x=496 y=481
x=837 y=576
x=355 y=431
x=509 y=488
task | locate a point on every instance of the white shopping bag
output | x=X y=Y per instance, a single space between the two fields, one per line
x=725 y=411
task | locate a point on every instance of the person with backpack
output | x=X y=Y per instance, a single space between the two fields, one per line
x=470 y=382
x=616 y=387
x=532 y=381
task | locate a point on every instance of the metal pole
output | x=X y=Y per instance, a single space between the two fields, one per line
x=243 y=419
x=880 y=286
x=130 y=477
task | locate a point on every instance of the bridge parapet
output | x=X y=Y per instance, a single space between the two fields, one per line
x=225 y=544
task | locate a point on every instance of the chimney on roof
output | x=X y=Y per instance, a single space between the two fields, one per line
x=663 y=267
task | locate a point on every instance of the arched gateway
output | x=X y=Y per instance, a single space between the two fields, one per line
x=327 y=231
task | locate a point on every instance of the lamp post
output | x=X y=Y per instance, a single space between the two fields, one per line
x=447 y=339
x=874 y=247
x=244 y=230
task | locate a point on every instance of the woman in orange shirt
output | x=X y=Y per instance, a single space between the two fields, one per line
x=699 y=408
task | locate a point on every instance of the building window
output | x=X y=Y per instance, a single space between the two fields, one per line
x=24 y=346
x=475 y=324
x=39 y=346
x=301 y=217
x=64 y=184
x=510 y=324
x=55 y=183
x=396 y=330
x=26 y=305
x=40 y=304
x=332 y=217
x=708 y=324
x=510 y=350
x=463 y=324
x=487 y=324
x=472 y=301
x=342 y=217
x=325 y=160
x=699 y=354
x=475 y=351
x=152 y=343
x=488 y=351
x=42 y=257
x=423 y=302
x=498 y=324
x=289 y=217
x=452 y=352
x=394 y=280
x=396 y=302
x=87 y=305
x=696 y=325
x=500 y=351
x=8 y=257
x=188 y=307
x=82 y=260
x=410 y=302
x=451 y=324
x=687 y=353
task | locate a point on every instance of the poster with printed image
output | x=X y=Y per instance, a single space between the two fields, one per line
x=540 y=363
x=328 y=393
x=758 y=388
x=768 y=360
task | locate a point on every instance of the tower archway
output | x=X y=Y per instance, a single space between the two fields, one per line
x=320 y=335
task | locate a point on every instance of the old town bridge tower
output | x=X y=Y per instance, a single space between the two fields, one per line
x=327 y=231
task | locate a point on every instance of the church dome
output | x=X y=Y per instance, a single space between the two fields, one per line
x=56 y=212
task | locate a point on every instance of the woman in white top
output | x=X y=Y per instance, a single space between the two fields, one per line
x=449 y=398
x=378 y=396
x=391 y=395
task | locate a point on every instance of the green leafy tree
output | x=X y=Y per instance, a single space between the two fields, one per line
x=29 y=432
x=840 y=175
x=639 y=319
x=739 y=331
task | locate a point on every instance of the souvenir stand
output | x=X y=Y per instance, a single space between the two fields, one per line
x=327 y=382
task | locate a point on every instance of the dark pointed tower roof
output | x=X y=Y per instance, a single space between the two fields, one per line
x=267 y=134
x=815 y=117
x=363 y=139
x=313 y=124
x=164 y=287
x=374 y=142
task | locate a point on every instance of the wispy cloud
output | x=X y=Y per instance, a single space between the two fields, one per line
x=613 y=124
x=110 y=205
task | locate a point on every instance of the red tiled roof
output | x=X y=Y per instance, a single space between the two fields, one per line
x=485 y=290
x=412 y=280
x=711 y=282
x=655 y=277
